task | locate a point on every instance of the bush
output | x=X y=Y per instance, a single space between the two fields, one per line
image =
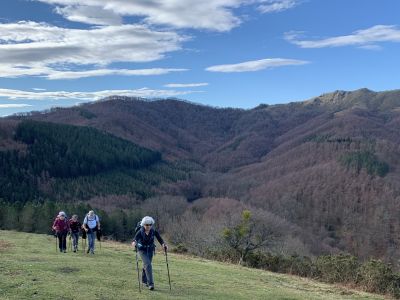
x=296 y=265
x=180 y=248
x=378 y=277
x=337 y=268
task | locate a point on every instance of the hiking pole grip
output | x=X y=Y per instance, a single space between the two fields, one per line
x=166 y=260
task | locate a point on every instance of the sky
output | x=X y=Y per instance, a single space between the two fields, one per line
x=222 y=53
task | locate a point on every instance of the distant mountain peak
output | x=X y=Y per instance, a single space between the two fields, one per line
x=361 y=98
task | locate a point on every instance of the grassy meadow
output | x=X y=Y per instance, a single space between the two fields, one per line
x=31 y=268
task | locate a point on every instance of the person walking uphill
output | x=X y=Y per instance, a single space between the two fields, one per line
x=61 y=227
x=144 y=241
x=91 y=224
x=75 y=227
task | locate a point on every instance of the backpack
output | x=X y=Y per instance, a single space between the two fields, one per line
x=96 y=218
x=138 y=226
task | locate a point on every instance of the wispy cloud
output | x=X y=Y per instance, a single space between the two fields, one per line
x=11 y=105
x=38 y=89
x=104 y=72
x=89 y=96
x=256 y=65
x=185 y=85
x=38 y=49
x=365 y=38
x=270 y=6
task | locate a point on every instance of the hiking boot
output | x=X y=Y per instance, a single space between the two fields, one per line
x=88 y=250
x=151 y=287
x=74 y=250
x=65 y=251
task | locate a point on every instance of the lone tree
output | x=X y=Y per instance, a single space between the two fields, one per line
x=246 y=236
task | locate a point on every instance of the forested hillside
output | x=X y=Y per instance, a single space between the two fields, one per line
x=71 y=163
x=321 y=175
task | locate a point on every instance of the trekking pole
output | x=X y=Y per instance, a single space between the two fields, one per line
x=166 y=260
x=55 y=238
x=137 y=268
x=98 y=236
x=69 y=243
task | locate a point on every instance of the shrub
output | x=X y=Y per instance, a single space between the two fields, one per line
x=337 y=268
x=180 y=248
x=378 y=277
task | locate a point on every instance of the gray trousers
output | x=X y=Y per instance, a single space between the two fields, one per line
x=147 y=274
x=75 y=239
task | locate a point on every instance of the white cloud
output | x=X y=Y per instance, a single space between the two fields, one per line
x=256 y=65
x=270 y=6
x=211 y=15
x=9 y=105
x=89 y=96
x=365 y=38
x=38 y=49
x=215 y=15
x=89 y=14
x=38 y=89
x=185 y=85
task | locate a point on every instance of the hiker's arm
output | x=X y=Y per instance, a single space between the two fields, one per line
x=137 y=239
x=54 y=225
x=84 y=225
x=160 y=240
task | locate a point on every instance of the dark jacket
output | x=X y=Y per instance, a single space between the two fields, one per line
x=146 y=241
x=75 y=226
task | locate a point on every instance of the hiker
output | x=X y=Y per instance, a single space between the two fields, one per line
x=61 y=227
x=91 y=224
x=144 y=241
x=75 y=227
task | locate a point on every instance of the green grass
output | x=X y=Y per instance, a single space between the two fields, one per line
x=30 y=268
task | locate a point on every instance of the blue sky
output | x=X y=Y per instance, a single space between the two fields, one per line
x=236 y=53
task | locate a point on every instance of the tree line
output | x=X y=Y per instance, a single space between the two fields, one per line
x=36 y=217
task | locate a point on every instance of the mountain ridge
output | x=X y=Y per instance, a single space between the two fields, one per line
x=329 y=165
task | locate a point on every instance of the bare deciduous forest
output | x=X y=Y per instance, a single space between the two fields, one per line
x=322 y=176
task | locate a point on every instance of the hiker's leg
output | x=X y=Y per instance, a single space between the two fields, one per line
x=144 y=278
x=147 y=257
x=59 y=236
x=90 y=238
x=75 y=237
x=64 y=240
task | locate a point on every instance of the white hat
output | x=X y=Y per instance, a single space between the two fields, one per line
x=147 y=220
x=61 y=213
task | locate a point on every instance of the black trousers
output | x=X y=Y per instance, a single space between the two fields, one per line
x=62 y=240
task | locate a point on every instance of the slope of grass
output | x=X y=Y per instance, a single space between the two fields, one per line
x=30 y=268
